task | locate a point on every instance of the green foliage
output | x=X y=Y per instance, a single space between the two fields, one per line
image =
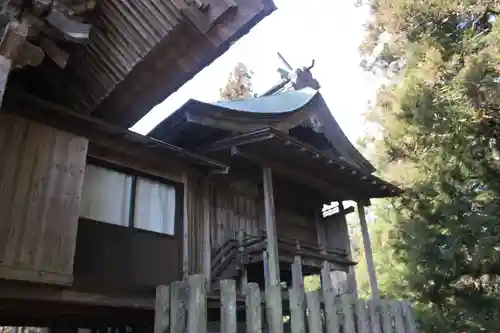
x=440 y=123
x=312 y=283
x=239 y=84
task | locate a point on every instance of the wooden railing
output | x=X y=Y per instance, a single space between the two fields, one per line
x=245 y=249
x=182 y=308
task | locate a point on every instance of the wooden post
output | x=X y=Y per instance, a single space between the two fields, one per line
x=320 y=230
x=207 y=248
x=228 y=306
x=297 y=275
x=272 y=241
x=197 y=305
x=329 y=294
x=368 y=252
x=351 y=276
x=162 y=310
x=241 y=249
x=253 y=308
x=185 y=227
x=274 y=307
x=178 y=307
x=314 y=312
x=297 y=310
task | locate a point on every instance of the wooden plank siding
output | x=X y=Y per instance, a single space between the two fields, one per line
x=41 y=178
x=235 y=207
x=230 y=211
x=234 y=210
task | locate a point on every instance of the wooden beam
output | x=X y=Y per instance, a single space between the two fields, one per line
x=320 y=230
x=368 y=252
x=308 y=180
x=271 y=235
x=207 y=248
x=14 y=291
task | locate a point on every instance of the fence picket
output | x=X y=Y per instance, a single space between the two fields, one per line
x=162 y=309
x=362 y=317
x=385 y=312
x=228 y=306
x=197 y=304
x=314 y=313
x=411 y=327
x=253 y=308
x=297 y=275
x=178 y=307
x=374 y=316
x=347 y=309
x=395 y=307
x=182 y=308
x=297 y=310
x=274 y=308
x=331 y=317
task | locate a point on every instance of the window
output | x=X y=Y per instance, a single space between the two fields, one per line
x=154 y=206
x=107 y=197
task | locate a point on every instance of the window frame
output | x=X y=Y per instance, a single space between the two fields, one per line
x=135 y=174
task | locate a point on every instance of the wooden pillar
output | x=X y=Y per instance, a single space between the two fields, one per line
x=368 y=252
x=185 y=226
x=207 y=248
x=320 y=230
x=351 y=276
x=271 y=236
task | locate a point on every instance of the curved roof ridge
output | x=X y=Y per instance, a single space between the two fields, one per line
x=283 y=102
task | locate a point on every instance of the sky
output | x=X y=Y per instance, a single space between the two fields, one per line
x=327 y=31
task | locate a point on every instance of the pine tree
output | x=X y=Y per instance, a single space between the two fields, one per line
x=239 y=84
x=439 y=120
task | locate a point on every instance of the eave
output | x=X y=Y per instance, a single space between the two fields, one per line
x=103 y=133
x=197 y=123
x=303 y=163
x=141 y=52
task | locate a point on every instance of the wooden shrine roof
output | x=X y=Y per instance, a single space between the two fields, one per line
x=302 y=113
x=139 y=53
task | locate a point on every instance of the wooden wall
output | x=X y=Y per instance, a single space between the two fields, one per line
x=112 y=259
x=233 y=210
x=336 y=232
x=41 y=175
x=233 y=207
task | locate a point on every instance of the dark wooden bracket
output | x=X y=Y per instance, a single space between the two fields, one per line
x=204 y=14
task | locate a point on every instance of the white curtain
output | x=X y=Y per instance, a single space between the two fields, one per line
x=155 y=206
x=106 y=195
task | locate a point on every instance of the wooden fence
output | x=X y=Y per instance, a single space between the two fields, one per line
x=182 y=308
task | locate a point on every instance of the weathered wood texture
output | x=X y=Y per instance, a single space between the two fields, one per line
x=41 y=178
x=170 y=171
x=343 y=314
x=231 y=208
x=142 y=51
x=234 y=210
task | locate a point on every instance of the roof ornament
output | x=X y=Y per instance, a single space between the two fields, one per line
x=293 y=79
x=32 y=27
